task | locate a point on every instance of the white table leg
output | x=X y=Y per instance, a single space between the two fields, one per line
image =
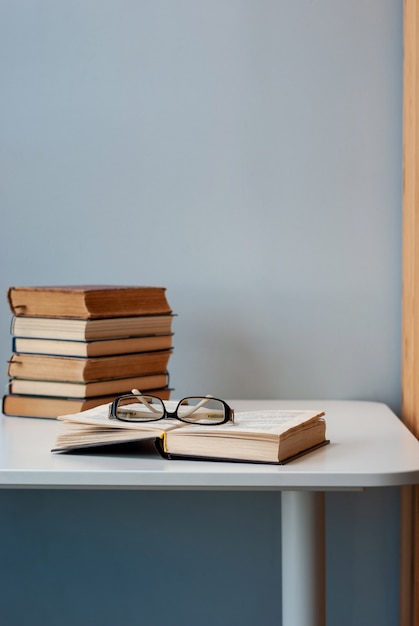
x=303 y=558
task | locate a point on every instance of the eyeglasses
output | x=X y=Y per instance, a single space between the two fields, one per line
x=136 y=407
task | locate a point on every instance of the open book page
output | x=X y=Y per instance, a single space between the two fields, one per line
x=271 y=421
x=78 y=436
x=260 y=436
x=263 y=423
x=93 y=427
x=99 y=416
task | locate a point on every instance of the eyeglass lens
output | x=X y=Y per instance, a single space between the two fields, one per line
x=196 y=410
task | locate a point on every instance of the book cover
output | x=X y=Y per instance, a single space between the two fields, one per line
x=80 y=369
x=51 y=407
x=91 y=329
x=87 y=301
x=87 y=389
x=102 y=347
x=273 y=436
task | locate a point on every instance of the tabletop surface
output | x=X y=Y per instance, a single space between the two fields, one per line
x=369 y=447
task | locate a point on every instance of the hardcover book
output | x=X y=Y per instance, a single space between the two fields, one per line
x=51 y=407
x=255 y=436
x=87 y=301
x=78 y=369
x=91 y=329
x=103 y=347
x=61 y=389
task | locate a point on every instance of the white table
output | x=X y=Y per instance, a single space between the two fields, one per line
x=369 y=447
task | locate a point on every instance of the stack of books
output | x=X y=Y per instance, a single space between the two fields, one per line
x=77 y=347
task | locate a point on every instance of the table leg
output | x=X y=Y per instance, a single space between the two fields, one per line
x=303 y=558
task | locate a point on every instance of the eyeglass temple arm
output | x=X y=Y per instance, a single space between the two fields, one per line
x=141 y=398
x=197 y=406
x=192 y=410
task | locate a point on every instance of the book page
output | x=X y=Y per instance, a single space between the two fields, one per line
x=81 y=436
x=99 y=416
x=273 y=422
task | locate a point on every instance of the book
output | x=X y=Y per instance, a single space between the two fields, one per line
x=114 y=386
x=50 y=407
x=80 y=369
x=91 y=329
x=87 y=301
x=102 y=347
x=274 y=436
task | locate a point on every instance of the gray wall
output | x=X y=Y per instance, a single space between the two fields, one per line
x=245 y=154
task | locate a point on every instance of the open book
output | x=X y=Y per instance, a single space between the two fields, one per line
x=274 y=436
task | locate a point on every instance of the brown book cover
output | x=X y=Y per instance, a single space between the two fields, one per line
x=115 y=386
x=103 y=347
x=49 y=407
x=80 y=369
x=87 y=301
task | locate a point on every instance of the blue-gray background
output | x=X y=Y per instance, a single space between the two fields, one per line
x=246 y=155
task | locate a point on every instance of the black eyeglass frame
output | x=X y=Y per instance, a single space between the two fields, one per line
x=228 y=411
